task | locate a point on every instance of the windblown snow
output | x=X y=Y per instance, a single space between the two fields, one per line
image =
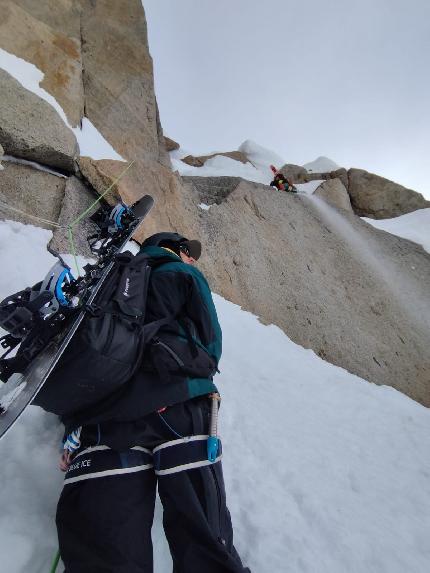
x=324 y=472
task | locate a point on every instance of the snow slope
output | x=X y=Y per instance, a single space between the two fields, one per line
x=325 y=472
x=413 y=226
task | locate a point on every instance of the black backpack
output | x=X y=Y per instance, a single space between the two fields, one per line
x=109 y=344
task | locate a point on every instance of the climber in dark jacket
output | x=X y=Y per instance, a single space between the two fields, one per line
x=153 y=431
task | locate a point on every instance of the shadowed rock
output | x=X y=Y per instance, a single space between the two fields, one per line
x=32 y=191
x=334 y=193
x=118 y=79
x=32 y=129
x=47 y=34
x=379 y=198
x=294 y=173
x=212 y=190
x=77 y=198
x=171 y=145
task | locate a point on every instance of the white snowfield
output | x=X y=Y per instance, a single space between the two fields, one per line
x=414 y=226
x=91 y=142
x=325 y=472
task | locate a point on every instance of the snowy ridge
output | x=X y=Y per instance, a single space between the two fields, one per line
x=325 y=472
x=258 y=170
x=321 y=165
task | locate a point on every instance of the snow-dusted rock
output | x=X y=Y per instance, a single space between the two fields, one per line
x=200 y=160
x=294 y=173
x=330 y=281
x=333 y=191
x=118 y=79
x=47 y=34
x=212 y=190
x=171 y=145
x=1 y=155
x=31 y=191
x=379 y=198
x=32 y=129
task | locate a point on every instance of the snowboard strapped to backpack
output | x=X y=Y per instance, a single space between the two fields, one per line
x=109 y=344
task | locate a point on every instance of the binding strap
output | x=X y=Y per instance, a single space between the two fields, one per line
x=183 y=454
x=101 y=461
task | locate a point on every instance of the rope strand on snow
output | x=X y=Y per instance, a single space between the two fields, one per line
x=55 y=562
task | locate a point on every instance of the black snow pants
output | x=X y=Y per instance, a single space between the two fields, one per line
x=105 y=511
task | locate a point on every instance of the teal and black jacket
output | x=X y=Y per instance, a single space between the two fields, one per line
x=181 y=360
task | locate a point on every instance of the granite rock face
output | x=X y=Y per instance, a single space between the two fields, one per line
x=294 y=173
x=118 y=78
x=77 y=198
x=330 y=281
x=47 y=34
x=334 y=193
x=31 y=128
x=172 y=203
x=210 y=190
x=30 y=191
x=379 y=198
x=170 y=144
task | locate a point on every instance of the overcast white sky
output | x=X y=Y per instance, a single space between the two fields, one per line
x=349 y=79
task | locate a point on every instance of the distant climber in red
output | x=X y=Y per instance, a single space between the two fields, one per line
x=280 y=182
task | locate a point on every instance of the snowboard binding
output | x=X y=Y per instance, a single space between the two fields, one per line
x=111 y=223
x=33 y=316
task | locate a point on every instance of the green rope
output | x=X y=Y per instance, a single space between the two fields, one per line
x=72 y=246
x=46 y=221
x=84 y=213
x=76 y=221
x=55 y=562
